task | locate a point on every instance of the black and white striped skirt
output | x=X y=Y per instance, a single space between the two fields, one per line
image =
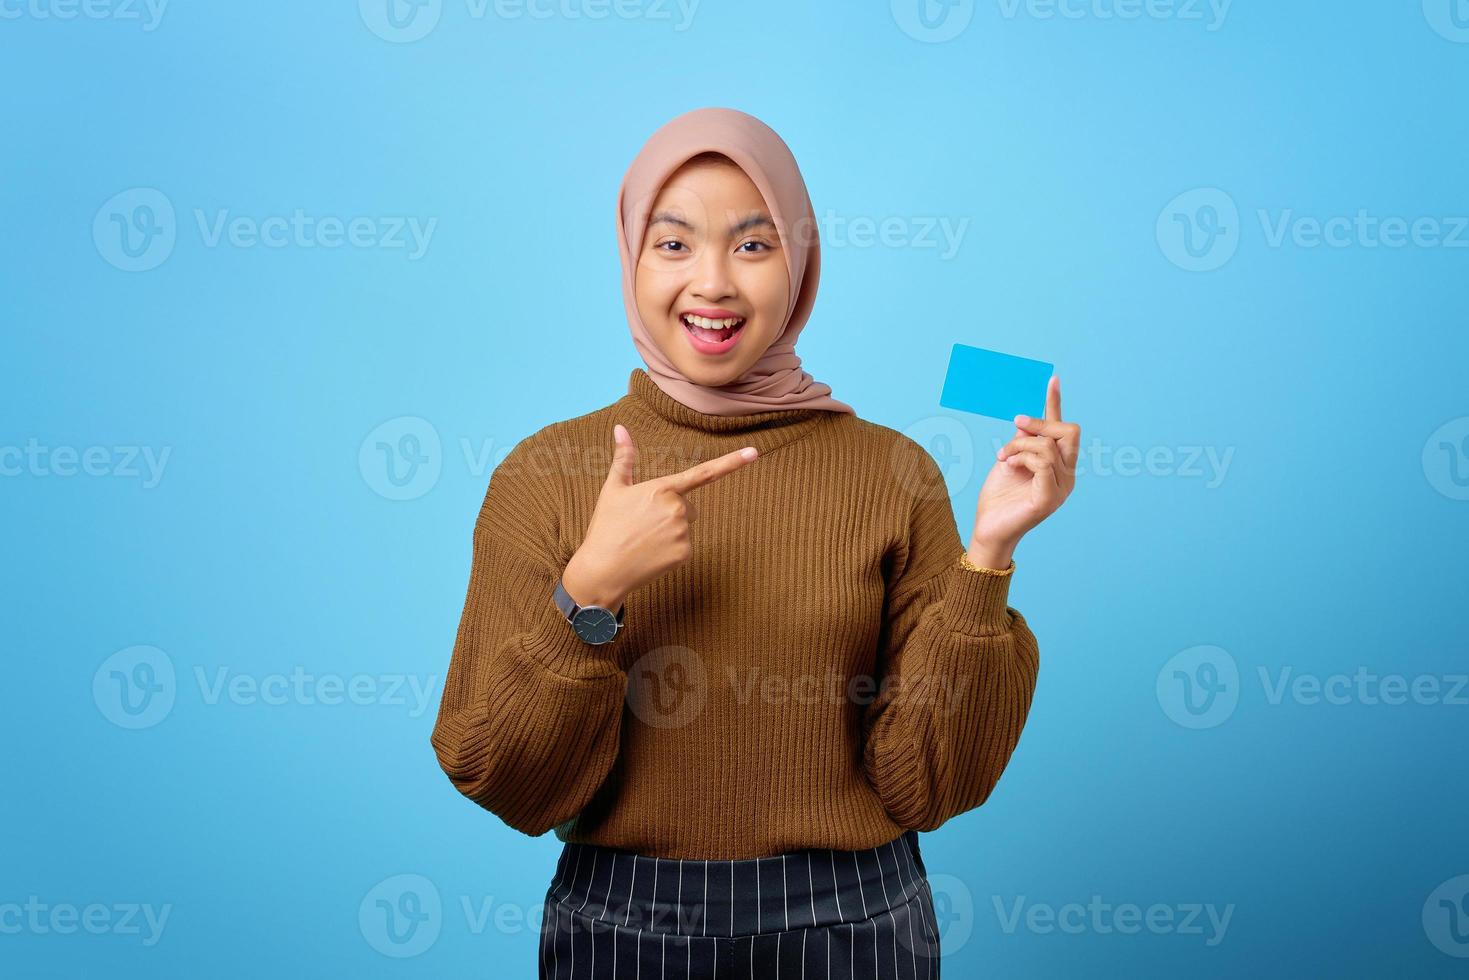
x=859 y=915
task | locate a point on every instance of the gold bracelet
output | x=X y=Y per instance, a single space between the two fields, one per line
x=965 y=562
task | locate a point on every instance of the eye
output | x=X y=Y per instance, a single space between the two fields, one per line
x=761 y=244
x=659 y=246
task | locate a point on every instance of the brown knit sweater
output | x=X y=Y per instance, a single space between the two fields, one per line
x=823 y=672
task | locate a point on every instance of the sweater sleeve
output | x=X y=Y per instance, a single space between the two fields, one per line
x=957 y=670
x=529 y=724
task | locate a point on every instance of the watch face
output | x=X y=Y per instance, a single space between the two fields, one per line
x=595 y=624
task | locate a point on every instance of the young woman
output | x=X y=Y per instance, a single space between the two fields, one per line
x=722 y=635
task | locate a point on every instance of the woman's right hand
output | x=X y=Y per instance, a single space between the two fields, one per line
x=638 y=531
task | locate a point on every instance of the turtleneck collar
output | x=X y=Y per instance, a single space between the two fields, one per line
x=763 y=430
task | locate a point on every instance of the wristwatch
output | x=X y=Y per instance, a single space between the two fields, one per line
x=594 y=624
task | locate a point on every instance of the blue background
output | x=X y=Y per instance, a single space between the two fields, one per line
x=1332 y=541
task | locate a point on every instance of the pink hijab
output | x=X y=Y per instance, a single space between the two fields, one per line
x=776 y=380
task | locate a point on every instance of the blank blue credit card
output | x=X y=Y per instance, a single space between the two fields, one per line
x=1002 y=386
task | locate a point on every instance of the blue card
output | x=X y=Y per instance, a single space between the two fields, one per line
x=1002 y=386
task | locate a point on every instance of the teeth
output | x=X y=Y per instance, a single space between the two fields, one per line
x=708 y=324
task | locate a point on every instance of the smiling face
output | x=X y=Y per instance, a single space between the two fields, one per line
x=711 y=252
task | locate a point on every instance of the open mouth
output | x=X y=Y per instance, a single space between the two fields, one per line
x=712 y=335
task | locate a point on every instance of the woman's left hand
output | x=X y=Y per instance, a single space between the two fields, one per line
x=1032 y=476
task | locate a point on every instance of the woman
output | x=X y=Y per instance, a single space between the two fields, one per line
x=816 y=667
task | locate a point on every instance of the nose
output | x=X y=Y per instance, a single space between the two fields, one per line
x=712 y=279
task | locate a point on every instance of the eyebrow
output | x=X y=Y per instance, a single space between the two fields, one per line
x=744 y=224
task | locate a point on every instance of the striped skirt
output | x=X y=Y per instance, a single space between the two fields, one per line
x=859 y=915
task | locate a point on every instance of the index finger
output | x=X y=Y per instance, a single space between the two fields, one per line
x=1053 y=399
x=709 y=470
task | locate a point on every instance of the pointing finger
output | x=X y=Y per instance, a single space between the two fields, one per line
x=1053 y=398
x=710 y=470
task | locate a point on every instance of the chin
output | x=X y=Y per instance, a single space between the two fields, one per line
x=710 y=376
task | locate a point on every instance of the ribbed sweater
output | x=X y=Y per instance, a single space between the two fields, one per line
x=824 y=671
